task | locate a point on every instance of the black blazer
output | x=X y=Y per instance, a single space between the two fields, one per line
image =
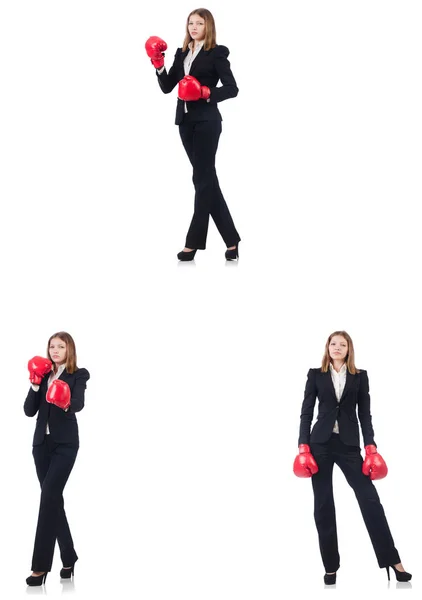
x=208 y=68
x=62 y=425
x=356 y=393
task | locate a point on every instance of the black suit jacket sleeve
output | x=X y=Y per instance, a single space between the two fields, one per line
x=364 y=409
x=168 y=81
x=308 y=406
x=32 y=402
x=229 y=88
x=77 y=400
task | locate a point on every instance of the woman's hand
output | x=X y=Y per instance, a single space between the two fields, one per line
x=38 y=367
x=59 y=394
x=305 y=464
x=191 y=90
x=155 y=48
x=374 y=464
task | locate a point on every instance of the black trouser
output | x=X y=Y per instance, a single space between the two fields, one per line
x=54 y=463
x=349 y=459
x=200 y=140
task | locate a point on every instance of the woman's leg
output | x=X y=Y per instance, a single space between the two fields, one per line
x=65 y=541
x=324 y=508
x=350 y=462
x=201 y=141
x=186 y=131
x=223 y=219
x=52 y=522
x=41 y=454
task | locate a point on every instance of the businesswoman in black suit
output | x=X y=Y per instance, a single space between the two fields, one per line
x=340 y=388
x=197 y=68
x=57 y=393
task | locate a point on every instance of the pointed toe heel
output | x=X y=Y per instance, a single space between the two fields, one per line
x=34 y=580
x=67 y=573
x=400 y=575
x=233 y=254
x=330 y=579
x=186 y=256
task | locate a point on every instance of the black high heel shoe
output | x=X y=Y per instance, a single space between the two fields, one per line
x=67 y=573
x=330 y=579
x=33 y=580
x=400 y=575
x=233 y=254
x=185 y=256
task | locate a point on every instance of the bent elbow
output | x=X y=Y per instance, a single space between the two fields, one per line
x=76 y=406
x=166 y=89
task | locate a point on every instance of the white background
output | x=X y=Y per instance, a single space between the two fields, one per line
x=183 y=486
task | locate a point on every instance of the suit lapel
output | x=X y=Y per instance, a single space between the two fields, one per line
x=63 y=375
x=182 y=57
x=197 y=61
x=349 y=380
x=330 y=384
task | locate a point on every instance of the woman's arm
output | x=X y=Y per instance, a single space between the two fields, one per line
x=32 y=402
x=364 y=409
x=229 y=88
x=307 y=411
x=77 y=400
x=168 y=81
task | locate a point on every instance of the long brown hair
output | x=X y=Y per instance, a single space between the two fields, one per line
x=71 y=366
x=210 y=40
x=350 y=358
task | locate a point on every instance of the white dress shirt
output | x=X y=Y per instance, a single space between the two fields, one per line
x=191 y=55
x=339 y=381
x=52 y=377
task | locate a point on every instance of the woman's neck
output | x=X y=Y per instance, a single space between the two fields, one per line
x=337 y=364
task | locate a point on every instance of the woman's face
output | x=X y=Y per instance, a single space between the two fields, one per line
x=57 y=351
x=196 y=27
x=338 y=348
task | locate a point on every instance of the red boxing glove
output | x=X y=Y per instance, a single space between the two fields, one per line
x=190 y=89
x=59 y=394
x=38 y=367
x=155 y=48
x=374 y=464
x=305 y=464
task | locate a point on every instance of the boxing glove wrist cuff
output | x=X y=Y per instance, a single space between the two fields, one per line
x=371 y=449
x=304 y=448
x=158 y=63
x=205 y=92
